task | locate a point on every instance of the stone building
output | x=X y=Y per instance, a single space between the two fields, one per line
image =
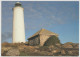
x=40 y=37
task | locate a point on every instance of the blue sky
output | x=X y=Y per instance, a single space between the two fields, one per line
x=56 y=16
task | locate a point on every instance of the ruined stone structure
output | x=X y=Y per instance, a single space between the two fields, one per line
x=40 y=37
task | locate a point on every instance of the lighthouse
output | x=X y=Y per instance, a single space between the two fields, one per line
x=18 y=23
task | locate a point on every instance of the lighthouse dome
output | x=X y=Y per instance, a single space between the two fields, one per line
x=18 y=4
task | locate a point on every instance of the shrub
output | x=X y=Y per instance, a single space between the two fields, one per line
x=52 y=41
x=6 y=44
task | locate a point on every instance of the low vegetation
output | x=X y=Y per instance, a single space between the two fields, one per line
x=52 y=41
x=21 y=49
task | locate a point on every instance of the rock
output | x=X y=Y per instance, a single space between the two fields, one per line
x=70 y=52
x=36 y=47
x=58 y=45
x=36 y=51
x=2 y=51
x=13 y=52
x=5 y=48
x=60 y=55
x=67 y=46
x=76 y=46
x=69 y=43
x=63 y=52
x=46 y=53
x=75 y=52
x=21 y=48
x=56 y=51
x=51 y=47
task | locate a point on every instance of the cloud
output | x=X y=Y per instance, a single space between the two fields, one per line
x=6 y=36
x=40 y=17
x=36 y=16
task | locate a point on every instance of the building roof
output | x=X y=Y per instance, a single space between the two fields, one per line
x=43 y=31
x=18 y=4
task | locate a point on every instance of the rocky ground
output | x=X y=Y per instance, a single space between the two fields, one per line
x=21 y=49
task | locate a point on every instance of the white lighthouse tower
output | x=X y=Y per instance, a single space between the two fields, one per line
x=18 y=24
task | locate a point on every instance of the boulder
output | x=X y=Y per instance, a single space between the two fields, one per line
x=70 y=52
x=56 y=51
x=69 y=43
x=13 y=52
x=21 y=48
x=5 y=48
x=67 y=46
x=77 y=46
x=63 y=52
x=36 y=50
x=51 y=47
x=58 y=45
x=46 y=53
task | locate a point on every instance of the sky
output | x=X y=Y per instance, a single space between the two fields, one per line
x=56 y=16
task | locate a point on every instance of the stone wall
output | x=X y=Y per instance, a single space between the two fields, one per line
x=38 y=40
x=34 y=41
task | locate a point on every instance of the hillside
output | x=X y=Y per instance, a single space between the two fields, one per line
x=22 y=49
